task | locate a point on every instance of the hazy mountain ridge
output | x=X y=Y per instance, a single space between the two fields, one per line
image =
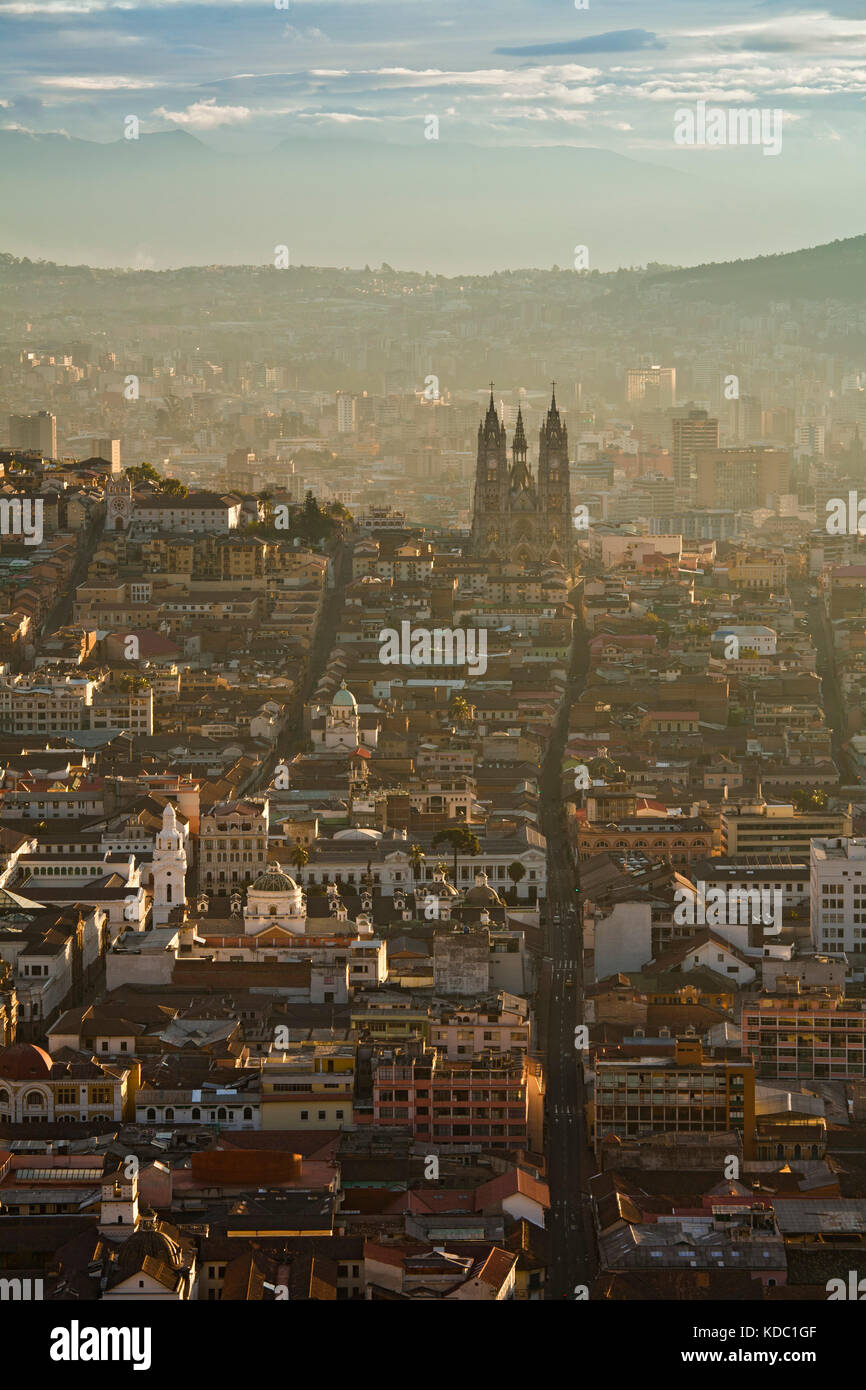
x=836 y=270
x=171 y=200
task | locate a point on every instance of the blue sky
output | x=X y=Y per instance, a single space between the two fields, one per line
x=247 y=75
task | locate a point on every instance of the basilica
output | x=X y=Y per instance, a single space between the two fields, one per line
x=518 y=516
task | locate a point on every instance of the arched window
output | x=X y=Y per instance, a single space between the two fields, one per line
x=196 y=1114
x=34 y=1100
x=169 y=1114
x=221 y=1114
x=151 y=1114
x=248 y=1112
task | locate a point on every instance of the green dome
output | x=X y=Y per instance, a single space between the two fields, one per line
x=273 y=880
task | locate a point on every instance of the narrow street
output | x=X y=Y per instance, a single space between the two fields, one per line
x=570 y=1162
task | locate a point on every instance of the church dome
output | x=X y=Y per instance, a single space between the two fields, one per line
x=344 y=697
x=25 y=1062
x=147 y=1242
x=273 y=880
x=482 y=895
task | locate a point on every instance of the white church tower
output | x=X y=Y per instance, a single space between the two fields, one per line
x=169 y=869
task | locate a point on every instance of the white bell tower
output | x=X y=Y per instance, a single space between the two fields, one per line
x=169 y=869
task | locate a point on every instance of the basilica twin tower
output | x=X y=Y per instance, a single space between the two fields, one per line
x=517 y=516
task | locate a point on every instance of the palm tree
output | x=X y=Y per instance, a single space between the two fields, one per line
x=461 y=840
x=460 y=710
x=300 y=855
x=416 y=859
x=516 y=872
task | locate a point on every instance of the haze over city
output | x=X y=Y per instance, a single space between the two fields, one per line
x=432 y=675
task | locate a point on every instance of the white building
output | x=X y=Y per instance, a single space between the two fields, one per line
x=197 y=514
x=758 y=638
x=837 y=876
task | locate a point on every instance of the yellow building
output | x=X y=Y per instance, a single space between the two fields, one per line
x=310 y=1085
x=759 y=569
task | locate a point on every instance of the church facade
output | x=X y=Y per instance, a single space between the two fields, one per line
x=518 y=515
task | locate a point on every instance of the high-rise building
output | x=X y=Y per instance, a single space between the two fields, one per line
x=92 y=446
x=809 y=440
x=837 y=893
x=345 y=413
x=655 y=386
x=693 y=431
x=740 y=478
x=34 y=432
x=517 y=516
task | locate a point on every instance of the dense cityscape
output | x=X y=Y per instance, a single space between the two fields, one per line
x=432 y=673
x=430 y=811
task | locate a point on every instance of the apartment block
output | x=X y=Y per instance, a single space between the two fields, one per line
x=683 y=1094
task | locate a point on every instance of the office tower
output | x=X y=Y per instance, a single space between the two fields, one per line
x=809 y=440
x=740 y=478
x=746 y=418
x=652 y=386
x=34 y=432
x=693 y=431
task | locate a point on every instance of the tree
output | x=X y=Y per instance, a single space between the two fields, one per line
x=461 y=840
x=809 y=798
x=516 y=872
x=173 y=487
x=143 y=473
x=299 y=855
x=416 y=859
x=460 y=709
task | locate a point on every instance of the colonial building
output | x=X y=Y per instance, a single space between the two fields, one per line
x=33 y=1086
x=234 y=845
x=518 y=516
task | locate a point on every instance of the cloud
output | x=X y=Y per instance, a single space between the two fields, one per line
x=299 y=35
x=615 y=41
x=206 y=115
x=98 y=84
x=338 y=117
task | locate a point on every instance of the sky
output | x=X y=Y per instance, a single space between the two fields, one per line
x=539 y=72
x=245 y=76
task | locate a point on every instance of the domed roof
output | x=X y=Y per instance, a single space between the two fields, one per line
x=25 y=1062
x=147 y=1241
x=482 y=895
x=273 y=880
x=344 y=696
x=440 y=887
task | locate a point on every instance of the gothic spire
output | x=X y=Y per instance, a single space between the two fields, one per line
x=519 y=441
